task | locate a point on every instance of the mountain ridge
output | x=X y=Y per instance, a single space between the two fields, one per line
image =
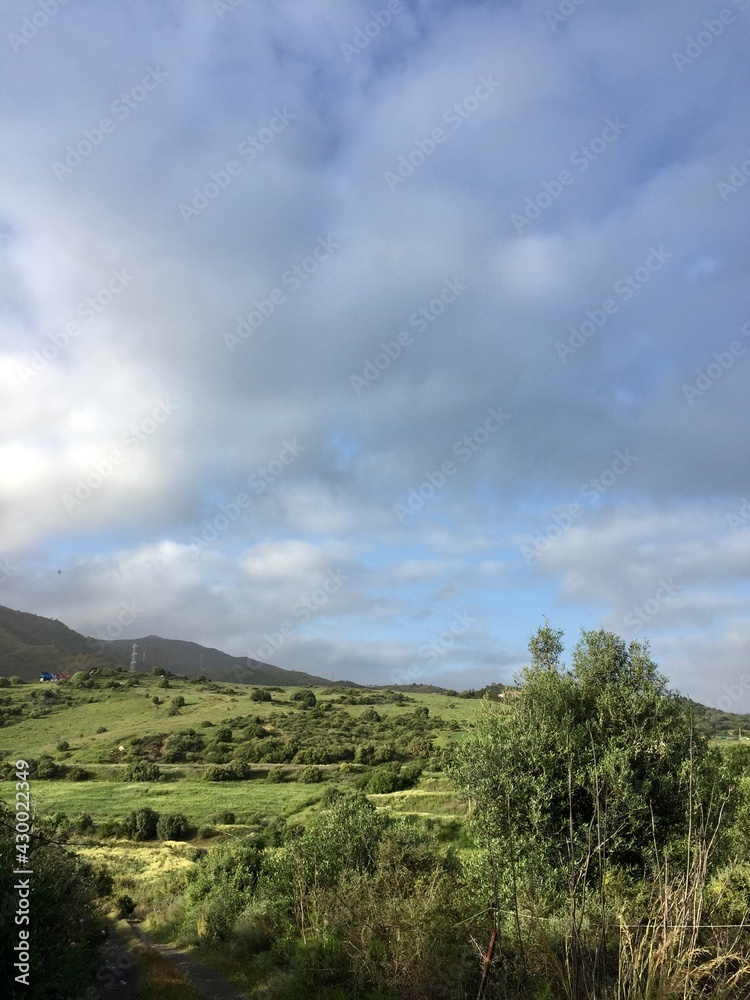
x=31 y=643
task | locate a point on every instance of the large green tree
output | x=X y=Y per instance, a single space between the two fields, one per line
x=591 y=769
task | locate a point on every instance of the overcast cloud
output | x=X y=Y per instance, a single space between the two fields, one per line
x=361 y=338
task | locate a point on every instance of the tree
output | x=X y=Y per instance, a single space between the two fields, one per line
x=141 y=824
x=589 y=770
x=305 y=697
x=172 y=826
x=63 y=926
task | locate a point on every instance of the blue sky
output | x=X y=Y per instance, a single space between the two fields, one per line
x=363 y=338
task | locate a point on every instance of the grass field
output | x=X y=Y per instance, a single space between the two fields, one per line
x=199 y=800
x=129 y=713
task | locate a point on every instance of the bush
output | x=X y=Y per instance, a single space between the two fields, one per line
x=311 y=775
x=102 y=729
x=85 y=824
x=143 y=770
x=79 y=774
x=47 y=769
x=390 y=778
x=277 y=775
x=111 y=830
x=172 y=826
x=236 y=771
x=330 y=795
x=305 y=697
x=227 y=818
x=260 y=695
x=141 y=824
x=163 y=683
x=181 y=743
x=63 y=746
x=63 y=909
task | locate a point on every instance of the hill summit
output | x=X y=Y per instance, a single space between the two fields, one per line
x=30 y=644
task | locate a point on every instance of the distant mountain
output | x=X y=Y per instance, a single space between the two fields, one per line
x=189 y=658
x=30 y=644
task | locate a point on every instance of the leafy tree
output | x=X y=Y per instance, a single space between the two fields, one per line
x=590 y=769
x=310 y=775
x=172 y=826
x=64 y=928
x=141 y=824
x=305 y=697
x=143 y=770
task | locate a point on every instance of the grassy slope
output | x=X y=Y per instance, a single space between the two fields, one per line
x=128 y=712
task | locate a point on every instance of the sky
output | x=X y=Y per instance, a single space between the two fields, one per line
x=363 y=339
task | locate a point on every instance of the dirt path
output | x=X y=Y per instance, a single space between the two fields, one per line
x=210 y=983
x=115 y=976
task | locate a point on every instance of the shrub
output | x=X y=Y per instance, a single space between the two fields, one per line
x=310 y=775
x=305 y=697
x=172 y=826
x=141 y=824
x=47 y=769
x=163 y=683
x=64 y=894
x=178 y=701
x=260 y=695
x=277 y=775
x=330 y=795
x=79 y=774
x=102 y=729
x=143 y=770
x=179 y=744
x=110 y=830
x=227 y=818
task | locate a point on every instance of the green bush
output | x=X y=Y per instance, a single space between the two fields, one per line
x=48 y=770
x=311 y=775
x=63 y=912
x=141 y=824
x=143 y=770
x=172 y=826
x=181 y=743
x=85 y=824
x=260 y=695
x=79 y=774
x=305 y=697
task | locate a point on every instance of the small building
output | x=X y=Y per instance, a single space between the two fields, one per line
x=46 y=676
